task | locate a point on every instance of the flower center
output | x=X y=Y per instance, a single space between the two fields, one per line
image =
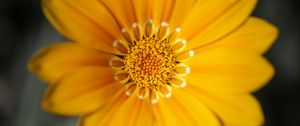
x=149 y=63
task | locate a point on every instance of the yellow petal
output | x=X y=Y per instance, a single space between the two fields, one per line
x=161 y=10
x=122 y=10
x=58 y=59
x=180 y=11
x=81 y=92
x=255 y=35
x=95 y=118
x=229 y=70
x=142 y=10
x=84 y=21
x=210 y=20
x=183 y=109
x=232 y=109
x=123 y=111
x=171 y=11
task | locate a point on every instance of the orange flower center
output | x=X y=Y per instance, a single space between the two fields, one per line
x=149 y=62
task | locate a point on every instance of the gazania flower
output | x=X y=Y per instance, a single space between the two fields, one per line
x=156 y=62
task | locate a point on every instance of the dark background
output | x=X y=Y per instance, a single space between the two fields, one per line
x=24 y=29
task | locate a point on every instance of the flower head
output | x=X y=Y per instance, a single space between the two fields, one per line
x=156 y=62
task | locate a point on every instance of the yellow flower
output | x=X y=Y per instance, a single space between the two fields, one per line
x=156 y=62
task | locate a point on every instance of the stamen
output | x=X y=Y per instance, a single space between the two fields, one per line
x=121 y=77
x=182 y=70
x=149 y=27
x=154 y=96
x=116 y=63
x=130 y=88
x=165 y=90
x=179 y=45
x=117 y=44
x=174 y=35
x=178 y=82
x=185 y=56
x=163 y=29
x=136 y=28
x=143 y=92
x=126 y=35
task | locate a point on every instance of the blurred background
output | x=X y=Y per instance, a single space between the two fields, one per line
x=24 y=29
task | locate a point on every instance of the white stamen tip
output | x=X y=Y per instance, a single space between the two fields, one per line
x=168 y=95
x=115 y=43
x=123 y=30
x=164 y=24
x=184 y=42
x=188 y=70
x=153 y=101
x=177 y=30
x=191 y=53
x=183 y=84
x=116 y=78
x=141 y=97
x=135 y=25
x=127 y=93
x=110 y=63
x=149 y=21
